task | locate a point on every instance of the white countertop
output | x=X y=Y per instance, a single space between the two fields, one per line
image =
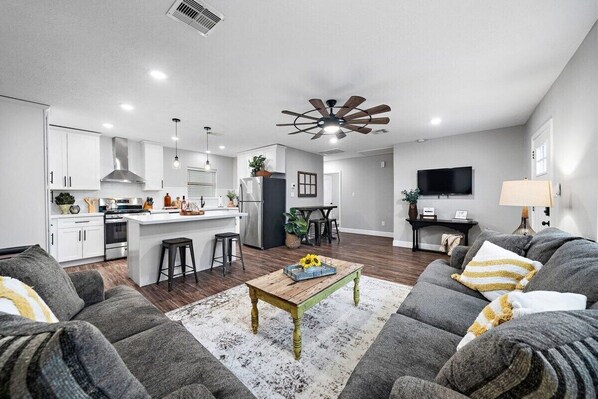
x=78 y=215
x=207 y=208
x=162 y=218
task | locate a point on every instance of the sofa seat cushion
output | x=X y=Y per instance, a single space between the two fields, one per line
x=572 y=268
x=511 y=242
x=442 y=308
x=123 y=313
x=544 y=244
x=439 y=273
x=167 y=357
x=404 y=347
x=41 y=272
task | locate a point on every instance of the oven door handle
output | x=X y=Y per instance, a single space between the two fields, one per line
x=113 y=221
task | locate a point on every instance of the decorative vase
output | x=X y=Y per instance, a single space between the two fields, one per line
x=65 y=209
x=230 y=204
x=413 y=211
x=292 y=241
x=263 y=173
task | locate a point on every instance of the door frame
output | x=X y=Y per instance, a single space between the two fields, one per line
x=339 y=175
x=546 y=125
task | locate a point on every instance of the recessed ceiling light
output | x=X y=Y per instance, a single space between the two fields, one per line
x=208 y=152
x=435 y=121
x=420 y=140
x=127 y=107
x=175 y=138
x=221 y=147
x=108 y=125
x=158 y=75
x=333 y=140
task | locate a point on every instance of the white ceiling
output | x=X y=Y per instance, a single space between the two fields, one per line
x=477 y=64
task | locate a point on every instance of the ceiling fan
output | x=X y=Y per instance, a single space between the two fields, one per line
x=337 y=123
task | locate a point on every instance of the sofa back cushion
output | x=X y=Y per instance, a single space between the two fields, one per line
x=572 y=268
x=61 y=360
x=511 y=242
x=40 y=271
x=544 y=244
x=549 y=354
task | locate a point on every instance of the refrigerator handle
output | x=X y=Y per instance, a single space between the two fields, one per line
x=240 y=198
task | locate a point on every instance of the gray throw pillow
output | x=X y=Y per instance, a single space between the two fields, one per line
x=543 y=355
x=61 y=360
x=544 y=244
x=511 y=242
x=39 y=270
x=572 y=268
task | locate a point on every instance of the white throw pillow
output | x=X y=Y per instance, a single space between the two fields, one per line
x=20 y=299
x=495 y=271
x=517 y=304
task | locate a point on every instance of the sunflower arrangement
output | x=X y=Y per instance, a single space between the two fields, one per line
x=310 y=260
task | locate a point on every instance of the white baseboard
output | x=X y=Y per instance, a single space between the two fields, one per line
x=80 y=262
x=367 y=232
x=409 y=244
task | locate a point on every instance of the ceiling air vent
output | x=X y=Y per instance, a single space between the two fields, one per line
x=331 y=152
x=196 y=14
x=380 y=131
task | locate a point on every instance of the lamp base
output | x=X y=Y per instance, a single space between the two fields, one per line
x=524 y=228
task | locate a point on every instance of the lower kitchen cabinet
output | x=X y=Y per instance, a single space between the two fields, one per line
x=79 y=238
x=93 y=241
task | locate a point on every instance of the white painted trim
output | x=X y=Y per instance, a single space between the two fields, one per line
x=367 y=232
x=408 y=244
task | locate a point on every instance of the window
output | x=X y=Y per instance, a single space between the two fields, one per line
x=201 y=182
x=308 y=184
x=541 y=157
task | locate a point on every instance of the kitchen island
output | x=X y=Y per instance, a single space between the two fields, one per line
x=146 y=232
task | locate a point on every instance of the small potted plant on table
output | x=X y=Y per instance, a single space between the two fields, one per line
x=64 y=202
x=411 y=197
x=295 y=227
x=231 y=198
x=257 y=165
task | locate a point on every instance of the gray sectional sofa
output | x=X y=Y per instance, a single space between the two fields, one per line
x=414 y=356
x=114 y=343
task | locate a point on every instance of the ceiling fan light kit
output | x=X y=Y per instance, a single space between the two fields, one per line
x=337 y=123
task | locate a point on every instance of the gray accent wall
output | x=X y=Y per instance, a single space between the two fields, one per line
x=295 y=161
x=366 y=192
x=495 y=155
x=572 y=103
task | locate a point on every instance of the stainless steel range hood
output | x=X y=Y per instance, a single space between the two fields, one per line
x=121 y=172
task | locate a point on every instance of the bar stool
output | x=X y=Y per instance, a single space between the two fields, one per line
x=318 y=224
x=227 y=250
x=172 y=245
x=329 y=229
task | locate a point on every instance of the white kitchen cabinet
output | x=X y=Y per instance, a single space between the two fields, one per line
x=79 y=238
x=70 y=246
x=93 y=241
x=54 y=239
x=73 y=160
x=275 y=160
x=153 y=166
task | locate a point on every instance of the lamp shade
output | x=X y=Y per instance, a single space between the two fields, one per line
x=526 y=193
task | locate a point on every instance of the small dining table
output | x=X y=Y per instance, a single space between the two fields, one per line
x=306 y=212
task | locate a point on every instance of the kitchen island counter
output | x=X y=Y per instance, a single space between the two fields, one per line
x=145 y=234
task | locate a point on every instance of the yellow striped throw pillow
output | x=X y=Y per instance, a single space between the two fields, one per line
x=495 y=271
x=20 y=299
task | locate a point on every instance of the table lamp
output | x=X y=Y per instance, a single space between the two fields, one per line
x=526 y=193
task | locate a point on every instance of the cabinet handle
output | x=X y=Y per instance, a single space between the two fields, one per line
x=83 y=221
x=52 y=177
x=79 y=235
x=70 y=182
x=52 y=239
x=84 y=235
x=65 y=181
x=162 y=183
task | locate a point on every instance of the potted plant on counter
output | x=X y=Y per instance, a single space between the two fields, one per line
x=257 y=165
x=411 y=197
x=64 y=202
x=231 y=195
x=295 y=227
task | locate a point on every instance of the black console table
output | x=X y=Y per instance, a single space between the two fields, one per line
x=462 y=226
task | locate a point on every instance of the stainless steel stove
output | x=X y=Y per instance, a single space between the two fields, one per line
x=115 y=224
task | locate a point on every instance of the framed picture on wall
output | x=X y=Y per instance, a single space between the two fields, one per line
x=308 y=184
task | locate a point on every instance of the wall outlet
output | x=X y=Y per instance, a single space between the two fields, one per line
x=383 y=223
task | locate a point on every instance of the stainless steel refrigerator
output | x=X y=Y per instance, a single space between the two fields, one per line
x=264 y=201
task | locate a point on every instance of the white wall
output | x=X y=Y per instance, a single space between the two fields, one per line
x=572 y=103
x=495 y=155
x=297 y=160
x=366 y=192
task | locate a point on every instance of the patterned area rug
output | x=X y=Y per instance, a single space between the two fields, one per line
x=336 y=334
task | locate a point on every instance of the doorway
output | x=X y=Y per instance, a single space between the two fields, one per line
x=332 y=194
x=542 y=161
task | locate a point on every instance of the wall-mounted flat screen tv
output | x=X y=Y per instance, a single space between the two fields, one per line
x=449 y=181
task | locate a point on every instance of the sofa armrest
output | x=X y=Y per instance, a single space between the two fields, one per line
x=192 y=391
x=457 y=256
x=89 y=285
x=416 y=388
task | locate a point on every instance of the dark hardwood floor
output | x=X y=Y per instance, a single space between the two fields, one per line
x=379 y=257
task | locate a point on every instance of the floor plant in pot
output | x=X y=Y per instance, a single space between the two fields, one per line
x=257 y=165
x=295 y=227
x=411 y=197
x=64 y=202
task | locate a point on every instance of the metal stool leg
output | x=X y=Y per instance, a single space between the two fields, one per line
x=329 y=231
x=224 y=256
x=241 y=252
x=230 y=251
x=171 y=260
x=161 y=264
x=183 y=255
x=193 y=262
x=338 y=236
x=213 y=253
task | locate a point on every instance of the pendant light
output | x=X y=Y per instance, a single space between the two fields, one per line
x=207 y=165
x=176 y=164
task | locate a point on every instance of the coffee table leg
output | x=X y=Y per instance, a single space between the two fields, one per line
x=356 y=289
x=297 y=334
x=254 y=311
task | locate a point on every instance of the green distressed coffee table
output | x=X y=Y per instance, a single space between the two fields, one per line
x=296 y=297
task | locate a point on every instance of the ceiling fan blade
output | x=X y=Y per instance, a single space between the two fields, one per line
x=341 y=134
x=352 y=102
x=304 y=130
x=319 y=105
x=372 y=111
x=364 y=130
x=374 y=121
x=298 y=115
x=318 y=135
x=295 y=124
